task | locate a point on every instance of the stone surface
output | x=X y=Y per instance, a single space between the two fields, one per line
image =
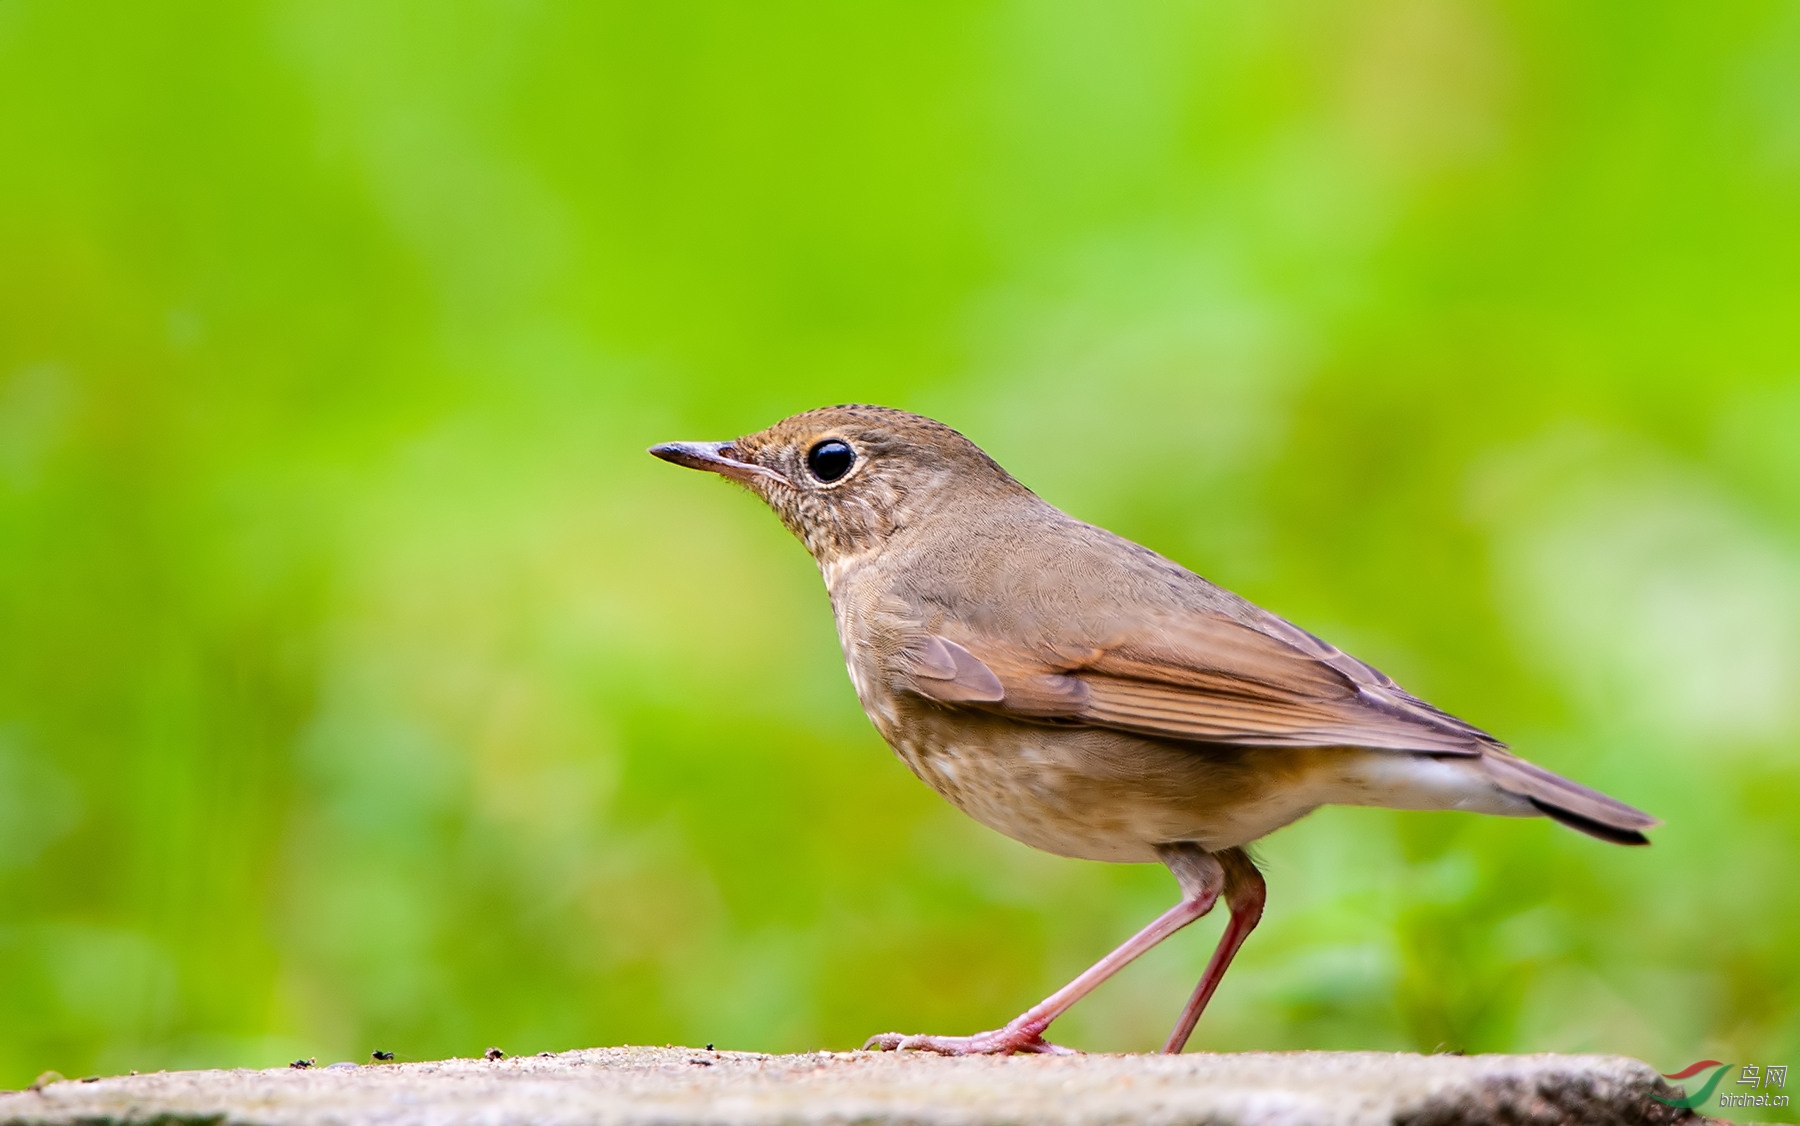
x=668 y=1086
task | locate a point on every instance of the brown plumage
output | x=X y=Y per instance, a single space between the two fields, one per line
x=1089 y=697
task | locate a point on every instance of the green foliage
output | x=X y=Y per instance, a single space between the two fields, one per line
x=364 y=685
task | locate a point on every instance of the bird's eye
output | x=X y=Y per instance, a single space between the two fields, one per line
x=830 y=459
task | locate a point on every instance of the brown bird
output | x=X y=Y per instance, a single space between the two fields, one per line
x=1091 y=698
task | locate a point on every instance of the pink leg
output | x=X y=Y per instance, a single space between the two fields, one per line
x=1244 y=896
x=1201 y=876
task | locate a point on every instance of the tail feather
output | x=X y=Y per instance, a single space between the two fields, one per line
x=1582 y=809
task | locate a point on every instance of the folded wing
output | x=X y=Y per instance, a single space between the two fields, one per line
x=1201 y=676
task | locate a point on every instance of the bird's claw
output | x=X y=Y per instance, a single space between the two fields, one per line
x=999 y=1042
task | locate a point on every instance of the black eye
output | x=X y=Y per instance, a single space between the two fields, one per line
x=830 y=460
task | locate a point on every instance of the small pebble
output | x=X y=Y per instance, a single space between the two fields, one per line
x=494 y=1054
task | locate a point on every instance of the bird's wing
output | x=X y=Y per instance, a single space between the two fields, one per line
x=1236 y=675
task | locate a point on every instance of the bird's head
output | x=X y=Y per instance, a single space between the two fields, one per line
x=848 y=479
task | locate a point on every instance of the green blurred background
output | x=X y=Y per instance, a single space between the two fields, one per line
x=364 y=685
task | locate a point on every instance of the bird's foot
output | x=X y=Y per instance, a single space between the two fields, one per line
x=1023 y=1039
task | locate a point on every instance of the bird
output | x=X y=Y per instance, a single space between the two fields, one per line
x=1092 y=698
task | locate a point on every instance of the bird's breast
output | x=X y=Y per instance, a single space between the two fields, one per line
x=867 y=628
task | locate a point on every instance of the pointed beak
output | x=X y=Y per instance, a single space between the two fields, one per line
x=714 y=457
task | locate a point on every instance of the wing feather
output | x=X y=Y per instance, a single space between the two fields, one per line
x=1202 y=676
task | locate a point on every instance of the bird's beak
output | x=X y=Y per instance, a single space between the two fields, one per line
x=714 y=457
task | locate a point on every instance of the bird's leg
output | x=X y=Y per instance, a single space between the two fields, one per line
x=1201 y=876
x=1244 y=896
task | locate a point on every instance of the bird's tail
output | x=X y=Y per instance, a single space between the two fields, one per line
x=1576 y=806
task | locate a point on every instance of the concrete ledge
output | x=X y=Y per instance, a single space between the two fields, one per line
x=668 y=1086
